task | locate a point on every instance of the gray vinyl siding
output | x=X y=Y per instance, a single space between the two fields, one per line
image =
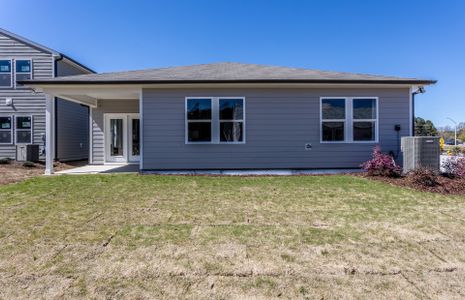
x=72 y=131
x=72 y=119
x=279 y=122
x=26 y=101
x=98 y=137
x=65 y=69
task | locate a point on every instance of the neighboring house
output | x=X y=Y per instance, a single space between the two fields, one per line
x=22 y=110
x=238 y=116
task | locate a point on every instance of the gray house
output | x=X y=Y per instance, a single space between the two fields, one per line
x=22 y=110
x=237 y=116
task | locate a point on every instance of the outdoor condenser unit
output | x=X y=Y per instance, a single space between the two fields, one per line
x=421 y=151
x=27 y=153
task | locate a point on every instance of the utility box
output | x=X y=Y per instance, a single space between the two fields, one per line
x=421 y=151
x=27 y=153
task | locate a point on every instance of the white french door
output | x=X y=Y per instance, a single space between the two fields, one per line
x=122 y=138
x=134 y=137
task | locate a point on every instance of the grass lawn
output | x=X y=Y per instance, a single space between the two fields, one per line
x=137 y=237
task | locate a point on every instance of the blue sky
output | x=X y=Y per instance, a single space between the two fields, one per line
x=424 y=39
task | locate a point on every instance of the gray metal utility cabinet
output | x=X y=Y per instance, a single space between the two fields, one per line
x=421 y=151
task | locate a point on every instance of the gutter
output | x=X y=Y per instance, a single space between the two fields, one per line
x=329 y=81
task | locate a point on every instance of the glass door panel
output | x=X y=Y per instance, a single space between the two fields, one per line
x=134 y=138
x=116 y=138
x=116 y=143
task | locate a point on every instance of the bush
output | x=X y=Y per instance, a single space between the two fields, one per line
x=424 y=177
x=5 y=161
x=381 y=165
x=454 y=167
x=456 y=150
x=29 y=164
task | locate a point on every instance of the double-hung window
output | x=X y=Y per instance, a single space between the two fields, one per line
x=231 y=120
x=6 y=130
x=6 y=74
x=23 y=129
x=349 y=120
x=199 y=120
x=364 y=123
x=23 y=69
x=333 y=119
x=215 y=120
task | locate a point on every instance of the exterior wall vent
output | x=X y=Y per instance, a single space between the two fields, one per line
x=421 y=151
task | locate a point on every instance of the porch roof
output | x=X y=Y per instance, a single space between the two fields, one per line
x=228 y=73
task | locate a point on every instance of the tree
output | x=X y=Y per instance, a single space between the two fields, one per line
x=425 y=127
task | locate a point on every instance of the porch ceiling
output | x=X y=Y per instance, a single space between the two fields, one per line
x=90 y=95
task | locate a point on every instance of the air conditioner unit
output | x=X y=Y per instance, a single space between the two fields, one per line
x=27 y=153
x=421 y=151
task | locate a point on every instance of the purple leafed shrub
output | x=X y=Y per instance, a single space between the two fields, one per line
x=381 y=165
x=454 y=167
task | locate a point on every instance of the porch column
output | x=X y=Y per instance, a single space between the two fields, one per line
x=49 y=133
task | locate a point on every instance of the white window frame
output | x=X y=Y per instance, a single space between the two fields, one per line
x=11 y=73
x=32 y=129
x=232 y=121
x=186 y=121
x=11 y=129
x=376 y=140
x=16 y=71
x=349 y=121
x=215 y=121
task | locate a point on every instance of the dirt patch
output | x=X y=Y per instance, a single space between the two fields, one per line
x=16 y=172
x=445 y=185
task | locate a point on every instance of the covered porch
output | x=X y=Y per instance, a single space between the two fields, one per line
x=114 y=126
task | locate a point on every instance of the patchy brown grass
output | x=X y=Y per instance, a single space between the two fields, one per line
x=16 y=172
x=165 y=237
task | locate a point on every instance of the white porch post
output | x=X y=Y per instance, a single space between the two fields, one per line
x=49 y=133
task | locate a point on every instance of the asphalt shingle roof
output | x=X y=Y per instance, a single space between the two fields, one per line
x=228 y=72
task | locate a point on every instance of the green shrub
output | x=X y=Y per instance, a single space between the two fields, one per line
x=456 y=150
x=5 y=161
x=29 y=164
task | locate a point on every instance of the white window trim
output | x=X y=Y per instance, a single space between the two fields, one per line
x=16 y=71
x=239 y=121
x=12 y=118
x=11 y=73
x=349 y=121
x=215 y=122
x=31 y=129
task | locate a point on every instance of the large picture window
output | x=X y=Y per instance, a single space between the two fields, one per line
x=23 y=129
x=6 y=130
x=215 y=120
x=347 y=120
x=5 y=74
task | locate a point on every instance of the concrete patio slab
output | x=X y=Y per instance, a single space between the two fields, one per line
x=101 y=169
